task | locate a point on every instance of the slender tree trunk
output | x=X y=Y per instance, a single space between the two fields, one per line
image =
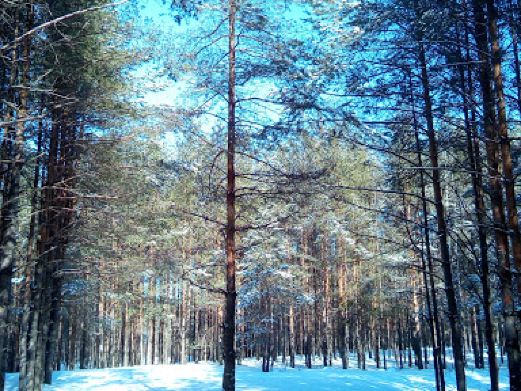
x=26 y=348
x=474 y=160
x=493 y=138
x=29 y=268
x=291 y=338
x=453 y=313
x=182 y=323
x=10 y=206
x=231 y=294
x=343 y=349
x=53 y=245
x=434 y=318
x=506 y=160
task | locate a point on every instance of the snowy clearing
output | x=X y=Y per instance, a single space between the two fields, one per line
x=207 y=376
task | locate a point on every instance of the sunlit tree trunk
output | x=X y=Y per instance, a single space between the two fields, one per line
x=494 y=154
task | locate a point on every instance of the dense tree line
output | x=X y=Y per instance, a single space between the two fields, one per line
x=342 y=183
x=60 y=77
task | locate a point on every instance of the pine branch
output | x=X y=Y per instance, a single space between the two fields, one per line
x=55 y=21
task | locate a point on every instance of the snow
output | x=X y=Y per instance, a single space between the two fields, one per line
x=207 y=377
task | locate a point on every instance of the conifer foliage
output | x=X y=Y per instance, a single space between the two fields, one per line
x=331 y=180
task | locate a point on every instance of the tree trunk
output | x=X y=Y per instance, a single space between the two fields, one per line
x=453 y=313
x=231 y=294
x=512 y=221
x=341 y=324
x=291 y=338
x=434 y=319
x=496 y=196
x=26 y=353
x=474 y=156
x=10 y=205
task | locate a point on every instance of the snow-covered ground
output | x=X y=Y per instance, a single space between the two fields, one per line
x=207 y=377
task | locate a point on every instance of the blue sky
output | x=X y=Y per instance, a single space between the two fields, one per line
x=160 y=90
x=157 y=16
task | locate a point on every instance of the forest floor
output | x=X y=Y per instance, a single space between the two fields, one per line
x=207 y=377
